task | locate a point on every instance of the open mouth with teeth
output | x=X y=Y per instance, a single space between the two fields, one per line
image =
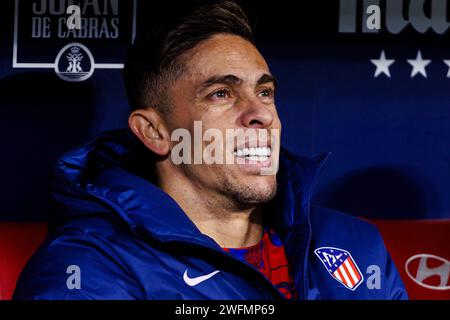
x=253 y=154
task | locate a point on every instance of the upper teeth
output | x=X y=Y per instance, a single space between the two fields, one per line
x=261 y=151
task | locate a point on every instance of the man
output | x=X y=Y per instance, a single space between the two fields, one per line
x=136 y=223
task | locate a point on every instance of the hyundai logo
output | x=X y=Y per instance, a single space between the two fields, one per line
x=421 y=267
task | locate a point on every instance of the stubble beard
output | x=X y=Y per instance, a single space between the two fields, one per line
x=247 y=195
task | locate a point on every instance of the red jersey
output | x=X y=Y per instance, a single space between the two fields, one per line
x=269 y=257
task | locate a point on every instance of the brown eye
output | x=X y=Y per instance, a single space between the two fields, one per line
x=220 y=94
x=267 y=93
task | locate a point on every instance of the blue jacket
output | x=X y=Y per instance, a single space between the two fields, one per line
x=121 y=237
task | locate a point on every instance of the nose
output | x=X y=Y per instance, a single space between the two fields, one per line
x=256 y=115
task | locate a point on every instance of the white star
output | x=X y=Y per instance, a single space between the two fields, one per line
x=419 y=65
x=447 y=62
x=382 y=65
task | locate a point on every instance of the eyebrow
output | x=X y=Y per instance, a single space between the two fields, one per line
x=233 y=80
x=267 y=78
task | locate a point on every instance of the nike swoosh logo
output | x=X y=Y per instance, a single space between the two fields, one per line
x=195 y=281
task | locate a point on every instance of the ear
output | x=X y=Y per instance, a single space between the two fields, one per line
x=149 y=127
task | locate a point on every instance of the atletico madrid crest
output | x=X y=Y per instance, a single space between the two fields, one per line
x=341 y=266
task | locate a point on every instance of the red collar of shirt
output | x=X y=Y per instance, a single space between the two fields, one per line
x=269 y=257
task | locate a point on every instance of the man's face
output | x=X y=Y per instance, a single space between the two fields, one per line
x=227 y=85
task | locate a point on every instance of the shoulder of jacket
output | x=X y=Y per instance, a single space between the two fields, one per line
x=87 y=248
x=330 y=222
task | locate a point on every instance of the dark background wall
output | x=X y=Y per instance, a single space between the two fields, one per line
x=389 y=136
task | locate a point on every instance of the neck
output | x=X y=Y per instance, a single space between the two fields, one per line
x=230 y=225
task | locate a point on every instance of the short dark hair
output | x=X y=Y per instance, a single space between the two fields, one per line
x=153 y=61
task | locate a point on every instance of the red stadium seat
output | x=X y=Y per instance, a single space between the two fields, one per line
x=18 y=241
x=421 y=252
x=420 y=249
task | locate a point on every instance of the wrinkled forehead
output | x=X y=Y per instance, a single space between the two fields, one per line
x=225 y=54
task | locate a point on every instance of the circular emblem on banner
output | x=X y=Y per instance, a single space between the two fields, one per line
x=74 y=62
